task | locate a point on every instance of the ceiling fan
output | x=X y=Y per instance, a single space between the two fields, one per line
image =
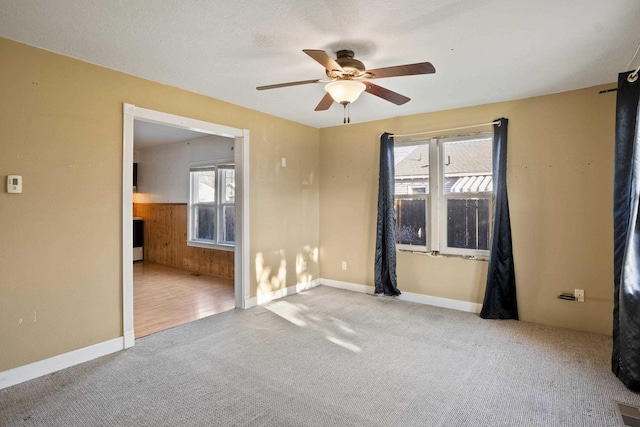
x=345 y=73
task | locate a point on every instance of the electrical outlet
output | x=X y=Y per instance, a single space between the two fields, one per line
x=579 y=294
x=344 y=265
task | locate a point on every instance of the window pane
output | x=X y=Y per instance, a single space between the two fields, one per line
x=468 y=223
x=204 y=186
x=205 y=219
x=411 y=221
x=411 y=169
x=468 y=166
x=228 y=180
x=228 y=224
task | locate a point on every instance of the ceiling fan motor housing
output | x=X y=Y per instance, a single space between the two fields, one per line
x=352 y=67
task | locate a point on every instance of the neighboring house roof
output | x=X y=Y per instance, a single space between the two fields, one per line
x=415 y=163
x=467 y=168
x=462 y=158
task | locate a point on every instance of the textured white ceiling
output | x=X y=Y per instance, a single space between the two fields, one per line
x=483 y=51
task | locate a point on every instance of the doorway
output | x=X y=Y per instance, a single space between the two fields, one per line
x=241 y=149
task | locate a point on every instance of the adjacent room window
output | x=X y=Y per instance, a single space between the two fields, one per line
x=211 y=221
x=443 y=194
x=227 y=205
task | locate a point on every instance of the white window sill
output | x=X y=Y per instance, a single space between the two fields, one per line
x=205 y=245
x=445 y=255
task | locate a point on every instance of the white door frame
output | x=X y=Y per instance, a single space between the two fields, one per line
x=241 y=150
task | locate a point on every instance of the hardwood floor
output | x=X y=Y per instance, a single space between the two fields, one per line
x=164 y=297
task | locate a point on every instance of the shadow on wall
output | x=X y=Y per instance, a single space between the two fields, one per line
x=271 y=269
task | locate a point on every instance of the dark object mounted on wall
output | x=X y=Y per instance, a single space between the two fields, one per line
x=138 y=239
x=135 y=177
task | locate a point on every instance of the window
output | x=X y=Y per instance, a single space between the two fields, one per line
x=227 y=205
x=444 y=205
x=211 y=221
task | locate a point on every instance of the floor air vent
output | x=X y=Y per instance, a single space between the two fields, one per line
x=628 y=415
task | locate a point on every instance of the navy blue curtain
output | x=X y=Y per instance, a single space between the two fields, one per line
x=385 y=260
x=625 y=360
x=500 y=293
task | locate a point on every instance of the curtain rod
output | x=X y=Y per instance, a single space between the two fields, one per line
x=497 y=122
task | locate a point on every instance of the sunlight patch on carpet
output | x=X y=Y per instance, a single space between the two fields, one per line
x=333 y=329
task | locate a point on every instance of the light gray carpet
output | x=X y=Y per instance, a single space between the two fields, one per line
x=330 y=357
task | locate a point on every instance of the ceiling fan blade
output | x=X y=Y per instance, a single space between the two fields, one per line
x=325 y=102
x=402 y=70
x=301 y=82
x=386 y=94
x=323 y=59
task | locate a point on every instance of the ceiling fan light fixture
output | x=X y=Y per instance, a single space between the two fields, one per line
x=345 y=91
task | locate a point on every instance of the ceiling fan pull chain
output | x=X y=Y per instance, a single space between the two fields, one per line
x=347 y=113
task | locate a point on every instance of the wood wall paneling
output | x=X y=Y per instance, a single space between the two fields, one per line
x=165 y=241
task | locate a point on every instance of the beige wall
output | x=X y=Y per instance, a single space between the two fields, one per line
x=60 y=241
x=560 y=178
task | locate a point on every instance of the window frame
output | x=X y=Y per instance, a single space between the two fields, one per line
x=445 y=249
x=427 y=246
x=216 y=243
x=436 y=200
x=220 y=217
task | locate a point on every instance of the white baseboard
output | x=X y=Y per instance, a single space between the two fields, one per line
x=43 y=367
x=453 y=304
x=279 y=293
x=348 y=286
